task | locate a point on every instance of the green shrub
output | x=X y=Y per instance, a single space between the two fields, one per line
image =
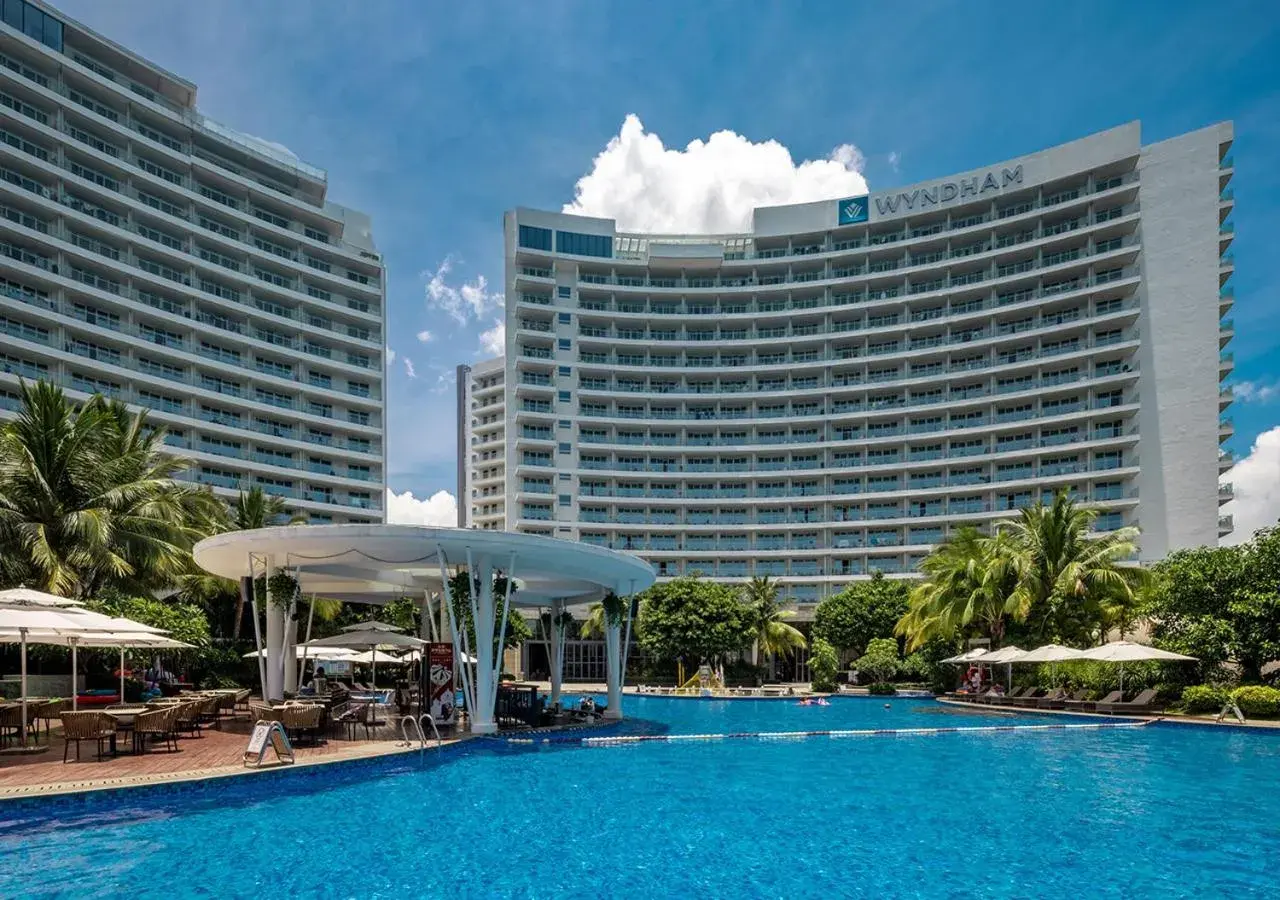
x=1257 y=700
x=1199 y=698
x=882 y=689
x=823 y=665
x=880 y=661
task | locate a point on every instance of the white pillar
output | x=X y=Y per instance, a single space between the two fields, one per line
x=555 y=651
x=290 y=654
x=483 y=614
x=613 y=667
x=274 y=688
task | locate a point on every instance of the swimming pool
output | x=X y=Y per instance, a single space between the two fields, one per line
x=1158 y=811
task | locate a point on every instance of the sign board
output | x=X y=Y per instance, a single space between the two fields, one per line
x=264 y=732
x=440 y=683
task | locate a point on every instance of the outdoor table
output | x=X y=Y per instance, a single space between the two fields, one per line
x=124 y=717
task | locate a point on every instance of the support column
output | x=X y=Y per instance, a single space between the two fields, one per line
x=613 y=667
x=274 y=687
x=555 y=652
x=290 y=654
x=483 y=610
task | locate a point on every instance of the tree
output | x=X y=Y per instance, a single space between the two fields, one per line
x=770 y=631
x=823 y=665
x=968 y=585
x=593 y=625
x=88 y=498
x=183 y=621
x=880 y=661
x=862 y=611
x=691 y=619
x=1067 y=576
x=1221 y=604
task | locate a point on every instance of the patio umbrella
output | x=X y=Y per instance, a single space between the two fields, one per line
x=968 y=656
x=369 y=639
x=373 y=657
x=371 y=626
x=1052 y=654
x=1127 y=651
x=334 y=653
x=1005 y=656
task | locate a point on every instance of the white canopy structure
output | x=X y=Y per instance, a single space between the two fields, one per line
x=377 y=563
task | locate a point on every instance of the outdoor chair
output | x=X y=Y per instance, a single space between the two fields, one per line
x=262 y=713
x=1030 y=698
x=211 y=710
x=1055 y=700
x=186 y=717
x=1091 y=705
x=353 y=715
x=303 y=721
x=158 y=724
x=48 y=711
x=10 y=723
x=86 y=726
x=242 y=700
x=1143 y=703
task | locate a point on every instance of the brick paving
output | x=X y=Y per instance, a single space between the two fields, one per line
x=216 y=752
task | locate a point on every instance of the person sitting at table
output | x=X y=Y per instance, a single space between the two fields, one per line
x=319 y=683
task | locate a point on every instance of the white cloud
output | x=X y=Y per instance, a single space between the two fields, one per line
x=409 y=369
x=1256 y=480
x=441 y=508
x=708 y=187
x=1254 y=392
x=425 y=336
x=444 y=381
x=391 y=356
x=894 y=159
x=494 y=341
x=462 y=302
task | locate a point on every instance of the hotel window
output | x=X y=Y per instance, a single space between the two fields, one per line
x=584 y=244
x=535 y=238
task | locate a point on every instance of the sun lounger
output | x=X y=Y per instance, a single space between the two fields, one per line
x=1091 y=705
x=1055 y=700
x=1029 y=698
x=1143 y=703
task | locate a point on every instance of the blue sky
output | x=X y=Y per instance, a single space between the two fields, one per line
x=435 y=118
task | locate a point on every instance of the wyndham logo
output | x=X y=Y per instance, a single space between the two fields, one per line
x=854 y=210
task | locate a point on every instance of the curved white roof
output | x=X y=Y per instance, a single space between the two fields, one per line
x=375 y=563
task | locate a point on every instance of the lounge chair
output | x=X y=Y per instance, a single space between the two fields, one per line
x=1029 y=698
x=1143 y=703
x=86 y=726
x=1091 y=705
x=1055 y=700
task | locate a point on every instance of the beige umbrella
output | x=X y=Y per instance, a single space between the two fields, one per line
x=369 y=639
x=968 y=656
x=1127 y=651
x=1051 y=654
x=1005 y=656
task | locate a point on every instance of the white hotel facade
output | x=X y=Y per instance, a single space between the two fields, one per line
x=150 y=254
x=830 y=394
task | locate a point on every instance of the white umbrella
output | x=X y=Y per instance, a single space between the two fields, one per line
x=1005 y=656
x=369 y=639
x=24 y=595
x=333 y=653
x=371 y=626
x=1127 y=651
x=373 y=657
x=968 y=656
x=1052 y=654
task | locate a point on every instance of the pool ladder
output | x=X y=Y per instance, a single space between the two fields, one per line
x=407 y=735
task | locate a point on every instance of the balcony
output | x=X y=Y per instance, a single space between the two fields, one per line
x=1225 y=525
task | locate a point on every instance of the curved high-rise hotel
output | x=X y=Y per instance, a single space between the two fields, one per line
x=831 y=393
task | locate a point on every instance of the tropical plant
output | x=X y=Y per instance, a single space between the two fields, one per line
x=771 y=633
x=968 y=585
x=1068 y=576
x=1257 y=700
x=518 y=630
x=89 y=499
x=823 y=666
x=862 y=611
x=880 y=662
x=592 y=626
x=691 y=619
x=1202 y=698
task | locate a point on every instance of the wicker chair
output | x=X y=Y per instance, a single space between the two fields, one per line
x=262 y=713
x=303 y=721
x=47 y=712
x=10 y=723
x=242 y=700
x=211 y=710
x=186 y=717
x=159 y=724
x=86 y=726
x=354 y=714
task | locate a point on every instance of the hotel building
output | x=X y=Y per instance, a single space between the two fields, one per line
x=153 y=255
x=830 y=394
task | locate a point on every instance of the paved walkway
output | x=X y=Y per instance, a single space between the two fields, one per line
x=216 y=753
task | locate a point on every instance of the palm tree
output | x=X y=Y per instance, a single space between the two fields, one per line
x=968 y=582
x=251 y=509
x=89 y=498
x=593 y=625
x=1067 y=575
x=772 y=635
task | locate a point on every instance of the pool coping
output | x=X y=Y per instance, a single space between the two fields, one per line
x=1160 y=718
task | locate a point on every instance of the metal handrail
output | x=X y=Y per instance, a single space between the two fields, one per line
x=407 y=741
x=434 y=729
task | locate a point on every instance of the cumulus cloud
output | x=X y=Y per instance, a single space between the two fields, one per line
x=409 y=369
x=441 y=508
x=708 y=187
x=1254 y=392
x=493 y=342
x=469 y=300
x=1256 y=480
x=391 y=356
x=425 y=336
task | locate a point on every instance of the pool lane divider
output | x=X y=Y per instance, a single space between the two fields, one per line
x=619 y=739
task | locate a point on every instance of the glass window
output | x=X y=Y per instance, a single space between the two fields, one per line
x=53 y=33
x=563 y=370
x=535 y=238
x=584 y=244
x=565 y=499
x=565 y=343
x=33 y=24
x=564 y=423
x=565 y=318
x=563 y=395
x=563 y=447
x=13 y=13
x=562 y=292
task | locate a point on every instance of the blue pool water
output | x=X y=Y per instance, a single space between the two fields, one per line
x=1161 y=811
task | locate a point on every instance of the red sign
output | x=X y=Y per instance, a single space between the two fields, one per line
x=440 y=682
